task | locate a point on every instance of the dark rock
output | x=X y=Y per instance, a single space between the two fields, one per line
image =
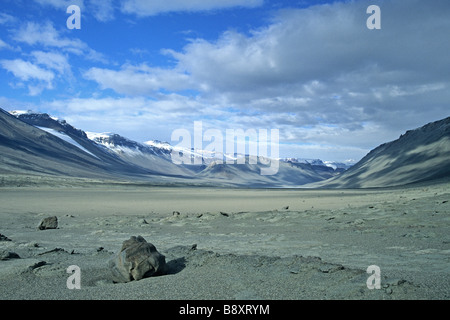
x=330 y=268
x=136 y=260
x=4 y=238
x=48 y=223
x=52 y=251
x=6 y=255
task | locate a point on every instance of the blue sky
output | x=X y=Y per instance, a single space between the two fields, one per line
x=311 y=69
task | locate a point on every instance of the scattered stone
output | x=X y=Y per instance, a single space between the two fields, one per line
x=32 y=244
x=224 y=214
x=48 y=223
x=176 y=213
x=51 y=251
x=286 y=208
x=99 y=249
x=143 y=221
x=194 y=246
x=330 y=268
x=4 y=238
x=6 y=255
x=445 y=201
x=36 y=265
x=137 y=259
x=200 y=215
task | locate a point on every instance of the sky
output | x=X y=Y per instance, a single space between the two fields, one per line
x=313 y=70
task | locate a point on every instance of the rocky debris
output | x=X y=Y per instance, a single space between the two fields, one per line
x=7 y=255
x=48 y=223
x=330 y=268
x=52 y=251
x=137 y=259
x=4 y=238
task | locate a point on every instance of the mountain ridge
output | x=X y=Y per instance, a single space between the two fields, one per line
x=418 y=155
x=151 y=161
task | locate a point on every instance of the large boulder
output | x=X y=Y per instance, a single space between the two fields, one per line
x=48 y=223
x=136 y=260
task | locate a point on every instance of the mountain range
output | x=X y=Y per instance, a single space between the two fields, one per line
x=39 y=144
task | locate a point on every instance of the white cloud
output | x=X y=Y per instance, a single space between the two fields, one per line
x=46 y=35
x=6 y=18
x=155 y=7
x=4 y=45
x=139 y=80
x=61 y=4
x=38 y=78
x=103 y=10
x=25 y=70
x=52 y=60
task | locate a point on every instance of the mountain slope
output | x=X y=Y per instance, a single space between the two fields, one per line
x=26 y=149
x=119 y=153
x=418 y=155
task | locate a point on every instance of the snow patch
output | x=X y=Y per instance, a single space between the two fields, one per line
x=66 y=138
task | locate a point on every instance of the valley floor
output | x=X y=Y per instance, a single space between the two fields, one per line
x=278 y=244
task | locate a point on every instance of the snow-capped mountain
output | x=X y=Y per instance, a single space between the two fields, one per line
x=339 y=166
x=121 y=156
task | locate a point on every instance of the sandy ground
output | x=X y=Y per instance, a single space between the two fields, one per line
x=285 y=244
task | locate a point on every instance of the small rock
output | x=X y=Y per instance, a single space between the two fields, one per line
x=6 y=255
x=286 y=208
x=143 y=221
x=224 y=214
x=176 y=213
x=330 y=268
x=4 y=238
x=136 y=260
x=48 y=223
x=37 y=265
x=194 y=246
